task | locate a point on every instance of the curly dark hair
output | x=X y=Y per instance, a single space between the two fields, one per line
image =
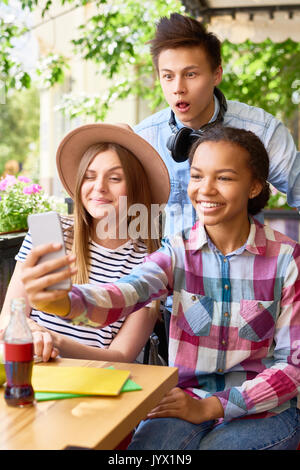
x=258 y=161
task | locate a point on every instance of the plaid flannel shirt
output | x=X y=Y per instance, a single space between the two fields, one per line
x=235 y=324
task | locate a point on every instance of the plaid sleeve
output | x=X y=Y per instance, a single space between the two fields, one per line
x=104 y=304
x=280 y=382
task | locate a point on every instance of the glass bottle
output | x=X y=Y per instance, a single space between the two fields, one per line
x=18 y=357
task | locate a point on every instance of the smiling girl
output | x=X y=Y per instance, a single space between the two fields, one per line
x=235 y=323
x=98 y=164
x=225 y=186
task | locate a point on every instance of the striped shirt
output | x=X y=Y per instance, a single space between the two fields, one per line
x=235 y=323
x=105 y=265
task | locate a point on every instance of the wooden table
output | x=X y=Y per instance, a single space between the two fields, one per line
x=92 y=422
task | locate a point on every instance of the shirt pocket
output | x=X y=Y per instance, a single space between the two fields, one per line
x=258 y=319
x=195 y=313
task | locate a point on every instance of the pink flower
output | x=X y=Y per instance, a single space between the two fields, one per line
x=24 y=179
x=3 y=185
x=9 y=180
x=32 y=188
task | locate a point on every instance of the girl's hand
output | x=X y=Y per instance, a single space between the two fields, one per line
x=37 y=277
x=43 y=345
x=43 y=341
x=179 y=404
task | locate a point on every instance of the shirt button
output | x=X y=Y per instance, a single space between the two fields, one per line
x=225 y=260
x=194 y=298
x=226 y=314
x=220 y=370
x=226 y=286
x=223 y=341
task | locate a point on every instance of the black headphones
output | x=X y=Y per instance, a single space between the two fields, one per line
x=179 y=143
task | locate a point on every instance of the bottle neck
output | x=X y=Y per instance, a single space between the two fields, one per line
x=18 y=305
x=18 y=331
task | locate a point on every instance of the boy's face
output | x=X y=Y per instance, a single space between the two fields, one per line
x=188 y=82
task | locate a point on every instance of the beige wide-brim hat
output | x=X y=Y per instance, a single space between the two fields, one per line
x=76 y=142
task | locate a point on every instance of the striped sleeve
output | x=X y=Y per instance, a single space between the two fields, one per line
x=25 y=248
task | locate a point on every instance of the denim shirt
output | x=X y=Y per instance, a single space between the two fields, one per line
x=284 y=171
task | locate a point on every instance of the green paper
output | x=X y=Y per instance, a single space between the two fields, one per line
x=129 y=386
x=45 y=396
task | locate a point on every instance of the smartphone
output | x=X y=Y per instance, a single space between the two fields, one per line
x=46 y=228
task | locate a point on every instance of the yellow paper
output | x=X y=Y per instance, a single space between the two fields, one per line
x=85 y=380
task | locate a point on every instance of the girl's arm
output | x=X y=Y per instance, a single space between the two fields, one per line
x=102 y=304
x=125 y=347
x=179 y=404
x=132 y=337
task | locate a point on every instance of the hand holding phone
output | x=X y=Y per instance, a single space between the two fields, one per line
x=46 y=228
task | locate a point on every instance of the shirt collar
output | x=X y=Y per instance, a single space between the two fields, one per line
x=256 y=242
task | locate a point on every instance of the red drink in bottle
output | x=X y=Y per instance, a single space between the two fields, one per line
x=18 y=369
x=18 y=357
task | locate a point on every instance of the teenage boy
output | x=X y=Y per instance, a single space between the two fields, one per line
x=188 y=63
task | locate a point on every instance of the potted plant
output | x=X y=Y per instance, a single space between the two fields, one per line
x=19 y=197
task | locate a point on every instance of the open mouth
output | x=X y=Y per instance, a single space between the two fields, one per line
x=182 y=106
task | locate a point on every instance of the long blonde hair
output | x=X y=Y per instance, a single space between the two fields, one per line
x=138 y=191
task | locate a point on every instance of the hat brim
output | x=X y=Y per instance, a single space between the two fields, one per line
x=76 y=142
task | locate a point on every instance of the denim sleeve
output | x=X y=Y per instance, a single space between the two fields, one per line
x=284 y=173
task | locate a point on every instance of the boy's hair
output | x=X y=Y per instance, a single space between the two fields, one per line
x=258 y=160
x=184 y=31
